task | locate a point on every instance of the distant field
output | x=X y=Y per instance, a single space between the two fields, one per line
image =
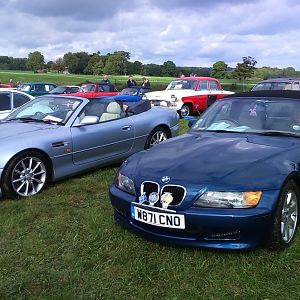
x=157 y=83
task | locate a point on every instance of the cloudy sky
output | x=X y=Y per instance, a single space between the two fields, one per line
x=187 y=32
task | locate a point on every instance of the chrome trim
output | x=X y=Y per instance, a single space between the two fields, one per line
x=142 y=186
x=147 y=206
x=185 y=192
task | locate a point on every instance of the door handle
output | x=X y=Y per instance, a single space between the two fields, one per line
x=127 y=127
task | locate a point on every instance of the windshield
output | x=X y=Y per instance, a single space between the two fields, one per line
x=129 y=91
x=47 y=109
x=24 y=87
x=266 y=86
x=58 y=90
x=258 y=115
x=87 y=88
x=182 y=84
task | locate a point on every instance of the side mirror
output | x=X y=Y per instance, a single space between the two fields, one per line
x=89 y=120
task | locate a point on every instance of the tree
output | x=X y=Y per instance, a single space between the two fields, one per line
x=169 y=69
x=35 y=61
x=245 y=69
x=71 y=61
x=59 y=65
x=151 y=70
x=95 y=65
x=219 y=69
x=117 y=63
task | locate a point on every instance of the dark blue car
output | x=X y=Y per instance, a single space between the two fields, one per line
x=231 y=182
x=132 y=94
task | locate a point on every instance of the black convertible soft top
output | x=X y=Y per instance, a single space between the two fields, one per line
x=271 y=93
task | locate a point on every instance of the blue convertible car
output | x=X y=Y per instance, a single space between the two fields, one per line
x=131 y=94
x=231 y=182
x=53 y=137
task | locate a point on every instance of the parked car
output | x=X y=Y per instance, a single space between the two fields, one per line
x=93 y=90
x=6 y=85
x=65 y=89
x=278 y=84
x=37 y=88
x=53 y=137
x=11 y=99
x=201 y=91
x=232 y=181
x=132 y=94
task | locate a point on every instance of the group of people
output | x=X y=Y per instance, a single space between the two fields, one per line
x=130 y=81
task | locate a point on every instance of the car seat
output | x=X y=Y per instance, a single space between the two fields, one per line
x=113 y=111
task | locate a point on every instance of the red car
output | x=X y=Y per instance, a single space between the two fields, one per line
x=6 y=85
x=94 y=90
x=187 y=95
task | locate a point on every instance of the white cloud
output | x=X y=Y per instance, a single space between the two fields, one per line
x=190 y=33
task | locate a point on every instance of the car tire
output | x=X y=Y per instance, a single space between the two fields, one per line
x=186 y=110
x=286 y=217
x=26 y=175
x=156 y=136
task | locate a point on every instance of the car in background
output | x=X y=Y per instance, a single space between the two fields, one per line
x=6 y=86
x=55 y=136
x=36 y=88
x=11 y=99
x=278 y=84
x=132 y=94
x=200 y=89
x=65 y=89
x=231 y=182
x=94 y=90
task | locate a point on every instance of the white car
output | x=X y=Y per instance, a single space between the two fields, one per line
x=11 y=99
x=185 y=87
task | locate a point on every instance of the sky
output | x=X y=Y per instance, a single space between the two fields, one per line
x=191 y=33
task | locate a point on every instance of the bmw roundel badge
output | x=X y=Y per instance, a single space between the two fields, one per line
x=165 y=179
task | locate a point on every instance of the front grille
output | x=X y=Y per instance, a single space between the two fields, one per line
x=178 y=192
x=148 y=187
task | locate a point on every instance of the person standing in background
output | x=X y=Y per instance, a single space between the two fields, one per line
x=145 y=82
x=131 y=81
x=105 y=79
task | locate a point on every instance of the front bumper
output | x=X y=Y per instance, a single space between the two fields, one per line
x=165 y=103
x=205 y=227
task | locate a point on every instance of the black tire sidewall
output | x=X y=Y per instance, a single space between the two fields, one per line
x=155 y=130
x=7 y=187
x=188 y=108
x=276 y=241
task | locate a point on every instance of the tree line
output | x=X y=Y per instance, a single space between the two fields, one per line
x=118 y=63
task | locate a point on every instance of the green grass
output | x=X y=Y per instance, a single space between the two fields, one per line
x=157 y=83
x=64 y=244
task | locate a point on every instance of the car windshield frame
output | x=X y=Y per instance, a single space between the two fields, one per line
x=256 y=115
x=48 y=109
x=182 y=84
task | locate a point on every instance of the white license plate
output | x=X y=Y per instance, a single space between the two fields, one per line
x=155 y=218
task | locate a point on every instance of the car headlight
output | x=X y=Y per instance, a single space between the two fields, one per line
x=173 y=98
x=125 y=184
x=229 y=199
x=144 y=97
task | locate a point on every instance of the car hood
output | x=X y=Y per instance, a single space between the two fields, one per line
x=218 y=161
x=167 y=94
x=17 y=130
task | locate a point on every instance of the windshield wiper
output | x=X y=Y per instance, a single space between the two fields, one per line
x=279 y=133
x=29 y=119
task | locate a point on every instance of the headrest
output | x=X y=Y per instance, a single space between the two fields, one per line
x=113 y=108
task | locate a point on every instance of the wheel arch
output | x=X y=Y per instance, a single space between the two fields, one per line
x=43 y=153
x=166 y=128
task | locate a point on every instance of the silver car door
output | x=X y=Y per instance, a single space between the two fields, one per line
x=103 y=140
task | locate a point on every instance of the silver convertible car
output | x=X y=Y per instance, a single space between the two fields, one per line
x=53 y=137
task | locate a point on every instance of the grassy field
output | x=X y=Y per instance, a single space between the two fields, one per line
x=64 y=244
x=157 y=83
